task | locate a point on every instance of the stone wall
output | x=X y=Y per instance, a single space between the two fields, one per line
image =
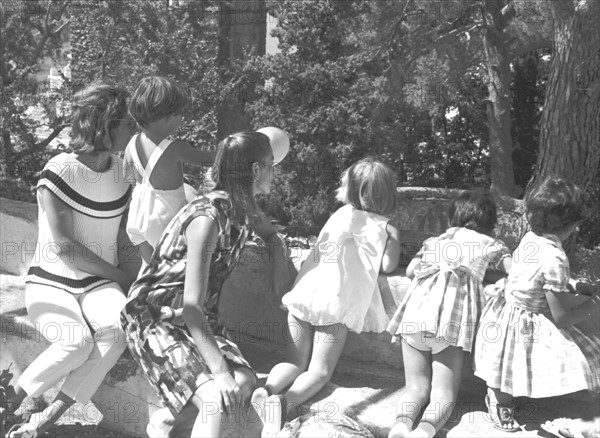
x=247 y=303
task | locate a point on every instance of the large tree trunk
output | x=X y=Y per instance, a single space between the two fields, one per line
x=570 y=127
x=525 y=118
x=498 y=107
x=242 y=32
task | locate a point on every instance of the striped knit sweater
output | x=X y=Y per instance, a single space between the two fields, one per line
x=98 y=200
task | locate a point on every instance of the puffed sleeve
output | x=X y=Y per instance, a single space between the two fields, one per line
x=555 y=273
x=496 y=252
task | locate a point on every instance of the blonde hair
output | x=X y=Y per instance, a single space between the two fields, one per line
x=369 y=185
x=156 y=97
x=96 y=110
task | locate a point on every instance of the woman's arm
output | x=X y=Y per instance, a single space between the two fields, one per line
x=202 y=234
x=189 y=154
x=261 y=225
x=60 y=220
x=391 y=253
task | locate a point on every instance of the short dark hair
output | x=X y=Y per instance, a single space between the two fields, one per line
x=156 y=97
x=475 y=210
x=554 y=205
x=96 y=110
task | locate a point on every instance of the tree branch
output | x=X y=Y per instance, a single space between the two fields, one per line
x=38 y=147
x=517 y=49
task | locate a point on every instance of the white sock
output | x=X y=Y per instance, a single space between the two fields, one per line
x=423 y=430
x=401 y=428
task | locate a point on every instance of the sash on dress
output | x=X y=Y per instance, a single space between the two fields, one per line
x=426 y=309
x=498 y=290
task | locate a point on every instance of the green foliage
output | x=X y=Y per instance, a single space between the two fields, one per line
x=403 y=81
x=344 y=86
x=123 y=41
x=32 y=32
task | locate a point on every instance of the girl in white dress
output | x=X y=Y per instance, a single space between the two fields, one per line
x=336 y=289
x=527 y=343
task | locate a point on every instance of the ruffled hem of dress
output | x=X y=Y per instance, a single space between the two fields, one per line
x=356 y=325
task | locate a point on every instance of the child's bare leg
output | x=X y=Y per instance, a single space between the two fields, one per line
x=328 y=344
x=298 y=351
x=445 y=383
x=417 y=369
x=497 y=396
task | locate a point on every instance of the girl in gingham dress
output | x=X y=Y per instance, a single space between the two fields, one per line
x=171 y=318
x=527 y=344
x=437 y=319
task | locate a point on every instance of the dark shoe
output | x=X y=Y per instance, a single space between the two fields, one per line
x=505 y=416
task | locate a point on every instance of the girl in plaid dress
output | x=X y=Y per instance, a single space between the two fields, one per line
x=437 y=319
x=527 y=344
x=171 y=318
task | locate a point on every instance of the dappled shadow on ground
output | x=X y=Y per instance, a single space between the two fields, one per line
x=81 y=431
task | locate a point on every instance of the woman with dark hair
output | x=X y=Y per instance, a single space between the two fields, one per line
x=171 y=318
x=74 y=284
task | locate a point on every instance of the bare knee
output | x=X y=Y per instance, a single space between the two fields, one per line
x=246 y=380
x=208 y=402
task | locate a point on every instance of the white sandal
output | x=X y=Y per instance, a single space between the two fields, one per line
x=562 y=428
x=161 y=423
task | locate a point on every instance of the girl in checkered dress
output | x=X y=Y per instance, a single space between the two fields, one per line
x=174 y=330
x=437 y=319
x=527 y=344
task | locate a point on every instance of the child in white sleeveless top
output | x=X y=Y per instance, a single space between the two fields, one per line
x=336 y=289
x=157 y=105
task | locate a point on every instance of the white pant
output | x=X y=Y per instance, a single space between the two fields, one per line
x=86 y=337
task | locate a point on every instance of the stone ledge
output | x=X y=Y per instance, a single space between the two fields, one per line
x=367 y=392
x=365 y=389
